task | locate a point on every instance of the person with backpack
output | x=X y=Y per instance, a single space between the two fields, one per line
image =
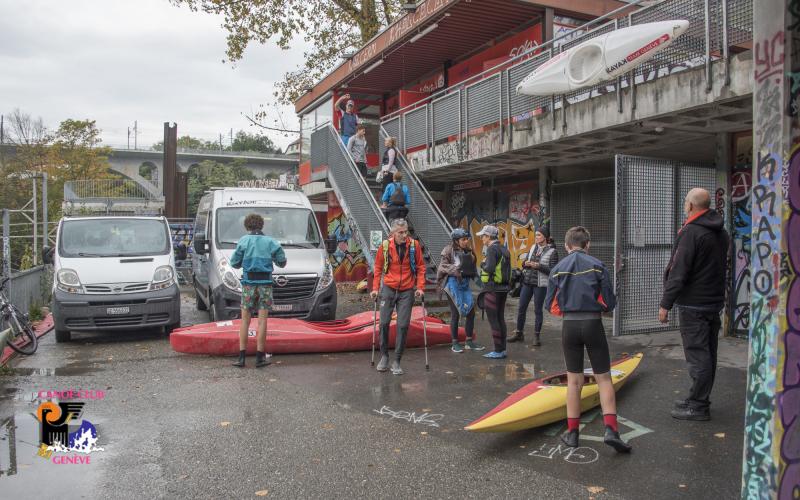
x=388 y=163
x=401 y=268
x=457 y=268
x=535 y=272
x=580 y=290
x=255 y=254
x=396 y=199
x=496 y=278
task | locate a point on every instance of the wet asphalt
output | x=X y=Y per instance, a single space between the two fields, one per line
x=314 y=426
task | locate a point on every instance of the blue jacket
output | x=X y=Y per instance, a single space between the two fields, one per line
x=579 y=283
x=255 y=254
x=387 y=195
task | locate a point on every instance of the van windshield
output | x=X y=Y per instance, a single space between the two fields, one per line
x=292 y=227
x=117 y=237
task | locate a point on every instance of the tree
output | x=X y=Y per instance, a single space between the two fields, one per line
x=333 y=27
x=212 y=173
x=243 y=141
x=189 y=142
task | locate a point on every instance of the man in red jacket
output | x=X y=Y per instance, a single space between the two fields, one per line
x=399 y=262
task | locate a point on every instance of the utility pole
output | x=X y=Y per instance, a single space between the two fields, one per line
x=129 y=138
x=135 y=134
x=231 y=139
x=35 y=220
x=2 y=130
x=220 y=143
x=46 y=234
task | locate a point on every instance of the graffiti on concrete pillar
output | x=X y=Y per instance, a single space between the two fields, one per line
x=741 y=216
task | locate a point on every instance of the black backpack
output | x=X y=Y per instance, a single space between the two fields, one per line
x=398 y=198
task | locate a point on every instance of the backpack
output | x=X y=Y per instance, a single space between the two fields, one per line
x=398 y=198
x=499 y=276
x=412 y=253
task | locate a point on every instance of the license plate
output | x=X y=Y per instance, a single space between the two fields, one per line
x=282 y=307
x=118 y=310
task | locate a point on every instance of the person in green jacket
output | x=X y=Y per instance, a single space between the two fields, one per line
x=255 y=253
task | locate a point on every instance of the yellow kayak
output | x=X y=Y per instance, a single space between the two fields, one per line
x=544 y=401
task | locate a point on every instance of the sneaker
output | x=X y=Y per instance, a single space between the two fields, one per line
x=495 y=355
x=383 y=364
x=612 y=439
x=688 y=413
x=570 y=438
x=680 y=404
x=396 y=370
x=473 y=346
x=516 y=336
x=457 y=347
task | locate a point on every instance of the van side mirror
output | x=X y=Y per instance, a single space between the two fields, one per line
x=331 y=245
x=181 y=252
x=200 y=243
x=47 y=255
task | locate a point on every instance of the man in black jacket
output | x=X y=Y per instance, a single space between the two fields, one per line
x=695 y=281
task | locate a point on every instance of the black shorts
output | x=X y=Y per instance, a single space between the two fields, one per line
x=575 y=334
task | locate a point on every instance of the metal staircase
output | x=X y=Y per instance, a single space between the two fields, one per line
x=359 y=197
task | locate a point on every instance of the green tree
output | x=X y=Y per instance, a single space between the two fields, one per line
x=243 y=141
x=332 y=27
x=210 y=173
x=189 y=142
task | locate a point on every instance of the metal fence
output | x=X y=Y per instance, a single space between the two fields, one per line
x=182 y=233
x=489 y=99
x=32 y=287
x=105 y=189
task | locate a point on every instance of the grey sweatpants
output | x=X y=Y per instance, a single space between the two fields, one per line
x=404 y=301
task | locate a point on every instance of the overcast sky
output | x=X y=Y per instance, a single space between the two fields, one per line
x=116 y=61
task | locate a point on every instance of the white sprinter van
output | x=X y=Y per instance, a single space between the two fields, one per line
x=305 y=288
x=113 y=273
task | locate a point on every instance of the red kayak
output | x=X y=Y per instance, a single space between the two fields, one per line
x=286 y=335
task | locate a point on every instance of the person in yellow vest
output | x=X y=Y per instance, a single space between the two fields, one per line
x=496 y=278
x=399 y=264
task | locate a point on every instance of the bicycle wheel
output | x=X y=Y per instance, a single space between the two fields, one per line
x=22 y=330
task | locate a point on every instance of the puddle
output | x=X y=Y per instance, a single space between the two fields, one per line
x=510 y=372
x=65 y=371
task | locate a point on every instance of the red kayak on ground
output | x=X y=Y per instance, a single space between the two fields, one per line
x=287 y=335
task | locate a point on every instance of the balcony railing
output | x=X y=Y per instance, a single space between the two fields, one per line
x=477 y=118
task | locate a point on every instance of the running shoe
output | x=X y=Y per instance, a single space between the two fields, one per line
x=495 y=355
x=396 y=370
x=457 y=347
x=473 y=346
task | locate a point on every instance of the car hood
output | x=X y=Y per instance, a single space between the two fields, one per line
x=92 y=270
x=298 y=261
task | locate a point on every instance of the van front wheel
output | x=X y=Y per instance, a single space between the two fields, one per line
x=63 y=336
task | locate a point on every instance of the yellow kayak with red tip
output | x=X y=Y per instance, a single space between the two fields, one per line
x=544 y=401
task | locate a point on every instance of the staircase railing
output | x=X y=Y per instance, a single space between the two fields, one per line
x=429 y=223
x=364 y=216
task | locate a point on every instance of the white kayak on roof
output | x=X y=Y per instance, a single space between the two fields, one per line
x=602 y=58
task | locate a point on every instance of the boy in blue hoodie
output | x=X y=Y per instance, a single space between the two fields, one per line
x=255 y=253
x=580 y=290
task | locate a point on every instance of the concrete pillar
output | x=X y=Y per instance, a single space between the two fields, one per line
x=722 y=198
x=772 y=419
x=544 y=195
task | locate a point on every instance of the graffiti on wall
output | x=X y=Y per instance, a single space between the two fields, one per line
x=349 y=263
x=518 y=238
x=741 y=217
x=789 y=395
x=760 y=465
x=484 y=143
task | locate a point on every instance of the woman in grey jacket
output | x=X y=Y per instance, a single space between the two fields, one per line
x=535 y=271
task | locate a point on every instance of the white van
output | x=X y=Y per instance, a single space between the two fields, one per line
x=113 y=273
x=305 y=288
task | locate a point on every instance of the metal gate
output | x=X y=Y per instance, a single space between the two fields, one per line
x=649 y=209
x=589 y=204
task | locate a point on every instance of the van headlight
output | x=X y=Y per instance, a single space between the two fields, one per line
x=67 y=281
x=327 y=277
x=164 y=277
x=229 y=278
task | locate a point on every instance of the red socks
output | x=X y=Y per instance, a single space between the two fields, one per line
x=610 y=420
x=573 y=424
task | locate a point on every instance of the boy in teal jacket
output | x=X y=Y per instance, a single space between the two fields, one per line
x=255 y=254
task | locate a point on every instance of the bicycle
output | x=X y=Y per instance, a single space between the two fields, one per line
x=17 y=321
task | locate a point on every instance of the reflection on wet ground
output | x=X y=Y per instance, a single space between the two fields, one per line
x=65 y=371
